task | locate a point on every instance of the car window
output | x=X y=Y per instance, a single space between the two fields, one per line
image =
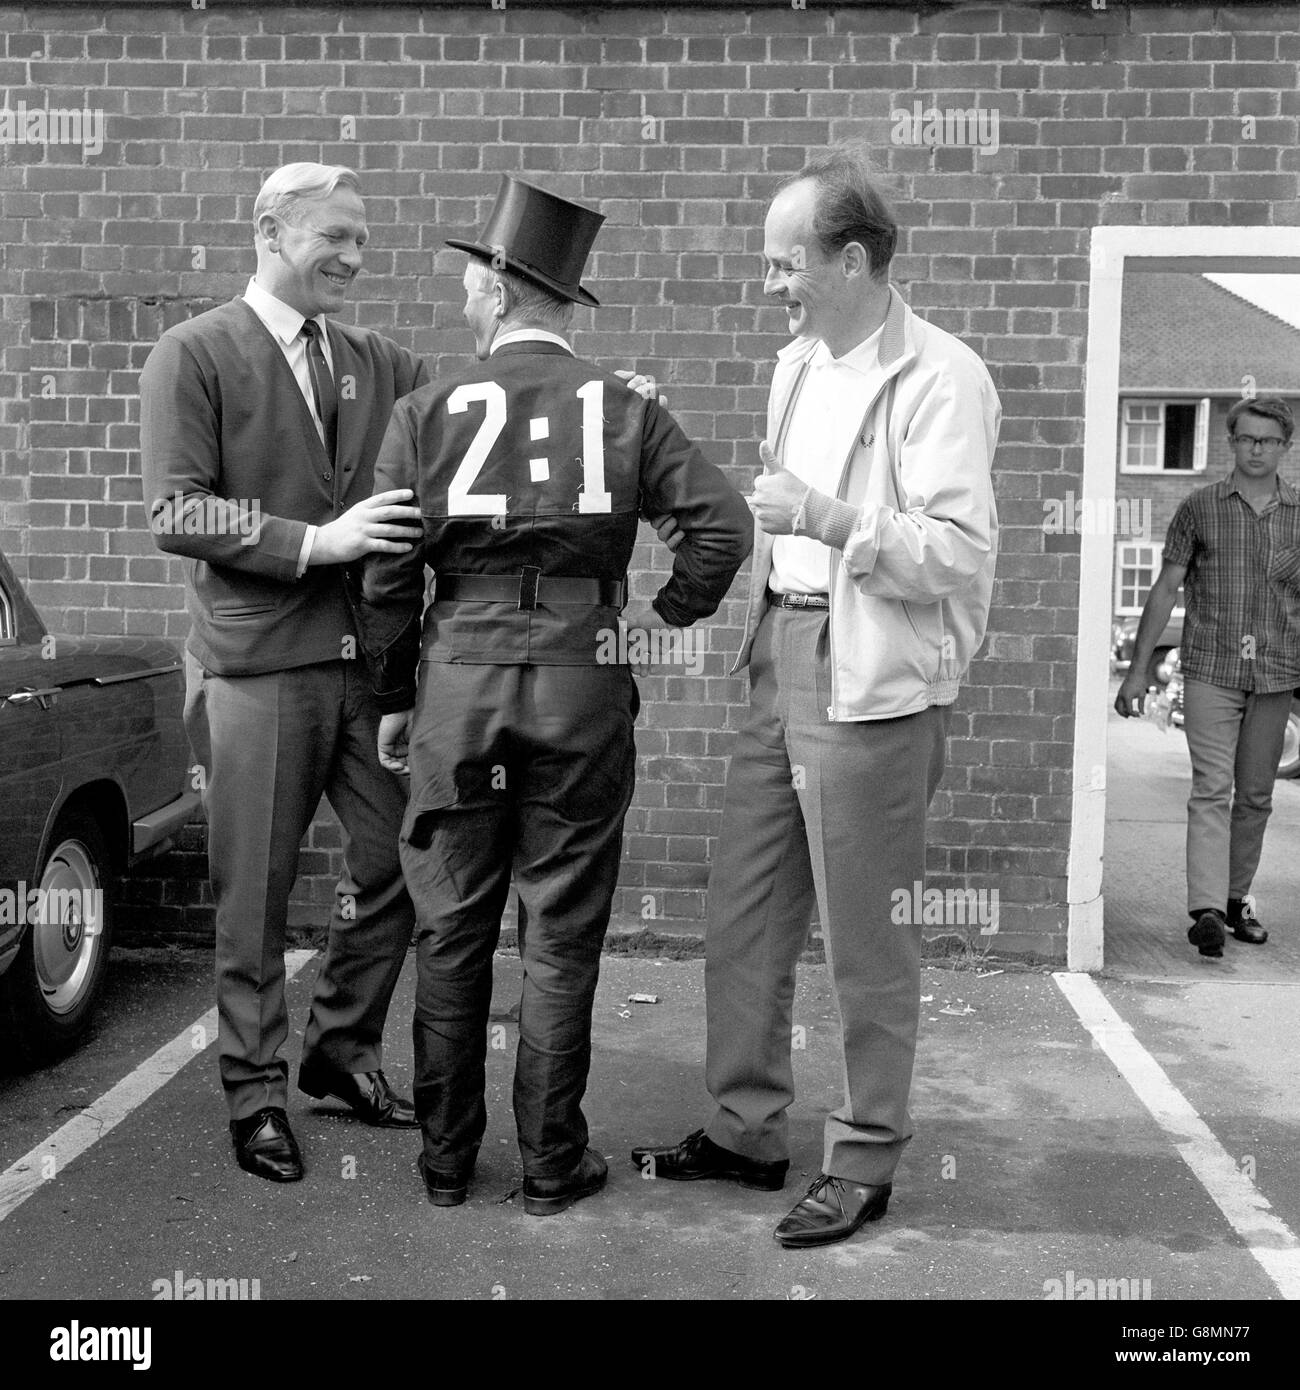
x=8 y=628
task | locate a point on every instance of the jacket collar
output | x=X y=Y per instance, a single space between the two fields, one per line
x=897 y=344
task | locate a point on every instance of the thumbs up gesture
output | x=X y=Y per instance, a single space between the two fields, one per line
x=777 y=495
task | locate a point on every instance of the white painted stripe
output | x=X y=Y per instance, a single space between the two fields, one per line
x=53 y=1155
x=1247 y=1210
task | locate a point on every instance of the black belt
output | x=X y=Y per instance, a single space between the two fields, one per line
x=798 y=600
x=528 y=589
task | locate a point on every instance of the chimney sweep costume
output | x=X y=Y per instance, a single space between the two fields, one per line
x=530 y=469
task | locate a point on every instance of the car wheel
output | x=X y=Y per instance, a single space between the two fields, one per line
x=47 y=995
x=1289 y=763
x=1153 y=671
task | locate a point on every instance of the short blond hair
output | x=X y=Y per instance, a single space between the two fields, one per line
x=294 y=183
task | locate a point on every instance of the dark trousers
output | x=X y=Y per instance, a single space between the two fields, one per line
x=835 y=812
x=269 y=747
x=530 y=768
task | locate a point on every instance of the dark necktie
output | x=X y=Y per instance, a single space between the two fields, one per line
x=322 y=384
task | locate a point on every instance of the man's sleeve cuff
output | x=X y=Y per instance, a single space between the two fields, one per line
x=304 y=554
x=829 y=520
x=395 y=701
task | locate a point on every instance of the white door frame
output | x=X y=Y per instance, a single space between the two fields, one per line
x=1254 y=249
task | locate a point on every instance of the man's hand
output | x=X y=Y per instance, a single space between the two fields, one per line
x=640 y=623
x=378 y=523
x=777 y=495
x=667 y=529
x=644 y=386
x=1131 y=694
x=392 y=741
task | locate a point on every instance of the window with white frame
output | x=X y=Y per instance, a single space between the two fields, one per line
x=1137 y=563
x=1164 y=436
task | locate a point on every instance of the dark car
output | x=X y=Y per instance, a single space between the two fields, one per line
x=1123 y=638
x=93 y=779
x=1288 y=764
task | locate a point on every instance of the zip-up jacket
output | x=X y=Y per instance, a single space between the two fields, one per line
x=913 y=521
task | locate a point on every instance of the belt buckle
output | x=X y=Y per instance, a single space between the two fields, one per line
x=528 y=587
x=797 y=600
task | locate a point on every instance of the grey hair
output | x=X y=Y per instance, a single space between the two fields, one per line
x=850 y=205
x=293 y=183
x=525 y=300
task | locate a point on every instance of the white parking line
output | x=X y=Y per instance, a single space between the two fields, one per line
x=50 y=1157
x=1247 y=1210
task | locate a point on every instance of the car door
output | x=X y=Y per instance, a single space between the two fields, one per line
x=29 y=752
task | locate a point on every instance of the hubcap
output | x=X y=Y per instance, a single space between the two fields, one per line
x=1291 y=742
x=67 y=937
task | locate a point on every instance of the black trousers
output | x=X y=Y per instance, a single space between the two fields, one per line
x=529 y=768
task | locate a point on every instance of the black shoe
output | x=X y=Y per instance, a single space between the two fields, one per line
x=264 y=1144
x=546 y=1196
x=697 y=1156
x=443 y=1189
x=366 y=1093
x=1207 y=933
x=1243 y=922
x=832 y=1210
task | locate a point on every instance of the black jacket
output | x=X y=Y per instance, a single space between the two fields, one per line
x=537 y=458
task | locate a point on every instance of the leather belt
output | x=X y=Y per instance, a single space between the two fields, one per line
x=798 y=600
x=528 y=589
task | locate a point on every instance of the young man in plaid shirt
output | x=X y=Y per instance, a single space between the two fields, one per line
x=1235 y=546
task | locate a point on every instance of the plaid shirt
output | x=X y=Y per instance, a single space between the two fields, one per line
x=1242 y=628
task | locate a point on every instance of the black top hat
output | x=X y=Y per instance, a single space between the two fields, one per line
x=543 y=238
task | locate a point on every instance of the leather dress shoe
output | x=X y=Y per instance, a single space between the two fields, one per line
x=264 y=1145
x=1245 y=926
x=1207 y=933
x=547 y=1196
x=366 y=1093
x=697 y=1156
x=832 y=1210
x=443 y=1189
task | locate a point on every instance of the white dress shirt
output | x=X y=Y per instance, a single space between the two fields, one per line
x=826 y=417
x=285 y=325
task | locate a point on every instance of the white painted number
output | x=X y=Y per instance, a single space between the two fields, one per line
x=460 y=500
x=593 y=497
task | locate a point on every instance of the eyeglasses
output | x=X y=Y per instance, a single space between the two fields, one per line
x=1250 y=440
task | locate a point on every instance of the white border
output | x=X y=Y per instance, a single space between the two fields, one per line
x=1161 y=248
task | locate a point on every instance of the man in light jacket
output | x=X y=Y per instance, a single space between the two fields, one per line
x=872 y=575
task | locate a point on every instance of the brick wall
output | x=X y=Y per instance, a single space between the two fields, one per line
x=676 y=123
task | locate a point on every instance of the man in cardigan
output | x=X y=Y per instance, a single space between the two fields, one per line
x=260 y=423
